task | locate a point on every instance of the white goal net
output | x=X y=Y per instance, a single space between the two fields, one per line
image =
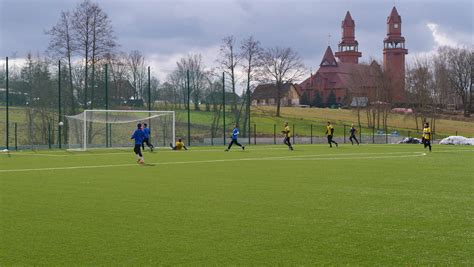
x=113 y=128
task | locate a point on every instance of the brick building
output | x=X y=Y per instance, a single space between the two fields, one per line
x=337 y=76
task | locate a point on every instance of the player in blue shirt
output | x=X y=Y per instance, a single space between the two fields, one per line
x=146 y=141
x=235 y=133
x=138 y=136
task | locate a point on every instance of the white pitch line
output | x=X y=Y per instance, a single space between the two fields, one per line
x=79 y=154
x=353 y=158
x=298 y=157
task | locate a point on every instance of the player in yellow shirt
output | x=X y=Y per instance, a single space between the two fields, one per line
x=330 y=134
x=287 y=132
x=179 y=145
x=426 y=138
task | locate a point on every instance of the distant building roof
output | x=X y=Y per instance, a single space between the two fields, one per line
x=269 y=90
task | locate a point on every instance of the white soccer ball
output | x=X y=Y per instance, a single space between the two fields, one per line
x=61 y=123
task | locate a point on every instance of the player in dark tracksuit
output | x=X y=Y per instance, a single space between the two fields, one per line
x=138 y=136
x=330 y=134
x=235 y=133
x=146 y=141
x=353 y=131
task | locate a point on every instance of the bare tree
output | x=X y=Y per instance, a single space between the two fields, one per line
x=281 y=66
x=197 y=76
x=419 y=84
x=119 y=73
x=443 y=92
x=251 y=53
x=228 y=60
x=94 y=37
x=177 y=79
x=61 y=45
x=460 y=62
x=136 y=62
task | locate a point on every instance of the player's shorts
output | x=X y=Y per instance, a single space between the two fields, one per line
x=137 y=148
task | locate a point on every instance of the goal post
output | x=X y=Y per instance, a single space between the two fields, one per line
x=113 y=128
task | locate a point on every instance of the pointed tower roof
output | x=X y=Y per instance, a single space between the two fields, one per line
x=394 y=16
x=348 y=19
x=328 y=59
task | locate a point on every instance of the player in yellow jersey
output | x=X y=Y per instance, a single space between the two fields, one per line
x=330 y=134
x=287 y=132
x=426 y=138
x=179 y=145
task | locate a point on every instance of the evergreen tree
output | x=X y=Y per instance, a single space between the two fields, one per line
x=317 y=101
x=304 y=100
x=331 y=99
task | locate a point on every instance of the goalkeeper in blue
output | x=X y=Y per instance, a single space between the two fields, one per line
x=235 y=133
x=138 y=136
x=146 y=141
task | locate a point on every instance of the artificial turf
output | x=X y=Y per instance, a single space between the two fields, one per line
x=366 y=205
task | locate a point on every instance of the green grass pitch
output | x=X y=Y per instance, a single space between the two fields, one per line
x=367 y=205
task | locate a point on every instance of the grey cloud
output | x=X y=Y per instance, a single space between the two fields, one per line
x=173 y=27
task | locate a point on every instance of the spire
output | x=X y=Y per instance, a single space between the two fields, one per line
x=328 y=59
x=348 y=48
x=348 y=21
x=394 y=17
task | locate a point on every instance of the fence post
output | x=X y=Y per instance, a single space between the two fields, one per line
x=373 y=134
x=274 y=134
x=107 y=104
x=110 y=137
x=49 y=135
x=212 y=137
x=456 y=133
x=255 y=134
x=311 y=127
x=294 y=133
x=16 y=136
x=59 y=104
x=386 y=134
x=360 y=133
x=7 y=102
x=344 y=133
x=164 y=136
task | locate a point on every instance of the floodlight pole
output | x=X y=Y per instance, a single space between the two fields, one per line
x=189 y=111
x=149 y=90
x=248 y=105
x=7 y=103
x=149 y=99
x=223 y=106
x=106 y=105
x=59 y=104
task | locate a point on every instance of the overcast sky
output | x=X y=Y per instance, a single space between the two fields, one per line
x=165 y=30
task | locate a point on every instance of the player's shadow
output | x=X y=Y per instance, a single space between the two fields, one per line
x=149 y=165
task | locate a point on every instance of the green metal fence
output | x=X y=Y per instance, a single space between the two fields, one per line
x=34 y=115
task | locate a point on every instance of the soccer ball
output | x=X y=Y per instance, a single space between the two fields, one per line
x=61 y=123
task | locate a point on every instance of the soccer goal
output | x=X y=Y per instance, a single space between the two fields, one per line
x=113 y=128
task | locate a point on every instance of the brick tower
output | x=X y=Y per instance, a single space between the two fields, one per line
x=394 y=57
x=348 y=51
